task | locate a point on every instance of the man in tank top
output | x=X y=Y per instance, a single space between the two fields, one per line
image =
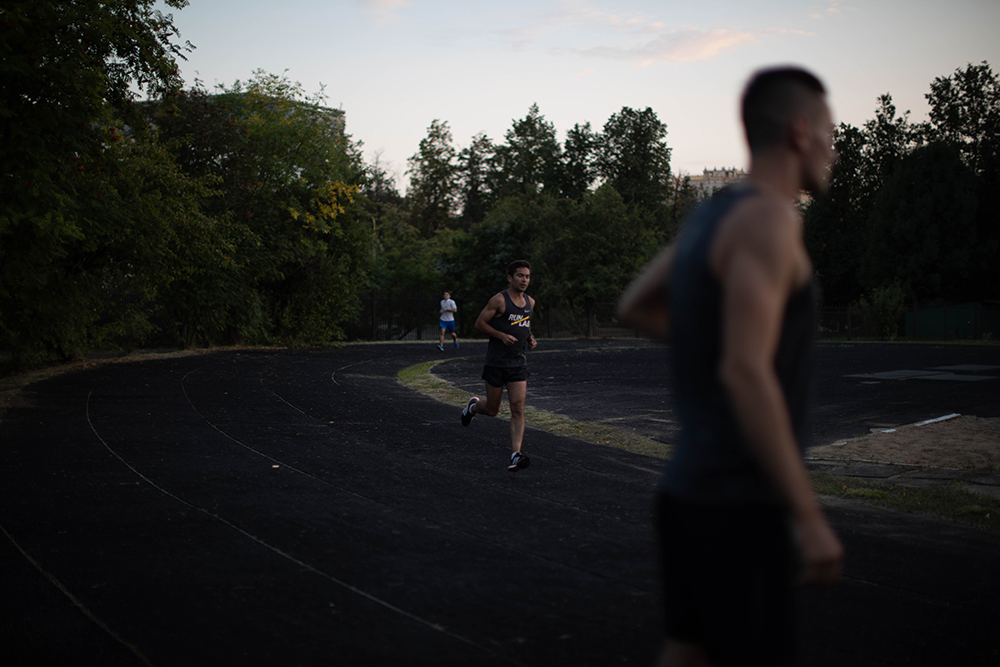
x=737 y=519
x=506 y=319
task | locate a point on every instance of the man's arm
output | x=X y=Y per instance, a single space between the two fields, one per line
x=532 y=342
x=644 y=304
x=758 y=274
x=494 y=307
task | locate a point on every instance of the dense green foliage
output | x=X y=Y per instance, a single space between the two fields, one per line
x=82 y=184
x=915 y=207
x=235 y=216
x=587 y=213
x=288 y=182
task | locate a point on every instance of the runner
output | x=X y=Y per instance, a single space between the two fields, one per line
x=506 y=319
x=447 y=323
x=735 y=294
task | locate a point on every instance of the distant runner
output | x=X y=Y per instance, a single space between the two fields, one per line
x=447 y=323
x=506 y=319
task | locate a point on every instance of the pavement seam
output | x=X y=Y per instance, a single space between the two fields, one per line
x=77 y=602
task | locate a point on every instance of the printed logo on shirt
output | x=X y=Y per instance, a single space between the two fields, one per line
x=517 y=320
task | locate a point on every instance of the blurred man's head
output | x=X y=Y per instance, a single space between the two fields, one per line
x=785 y=108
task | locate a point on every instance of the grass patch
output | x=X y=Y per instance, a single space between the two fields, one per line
x=951 y=501
x=421 y=378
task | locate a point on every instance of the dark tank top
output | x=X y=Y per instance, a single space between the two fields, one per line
x=713 y=461
x=516 y=321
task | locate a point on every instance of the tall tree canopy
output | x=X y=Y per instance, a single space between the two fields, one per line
x=71 y=150
x=434 y=184
x=289 y=178
x=923 y=227
x=529 y=160
x=634 y=159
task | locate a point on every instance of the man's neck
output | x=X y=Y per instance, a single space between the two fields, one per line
x=516 y=296
x=777 y=173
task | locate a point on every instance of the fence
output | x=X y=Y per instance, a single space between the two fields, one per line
x=966 y=321
x=414 y=316
x=960 y=321
x=396 y=316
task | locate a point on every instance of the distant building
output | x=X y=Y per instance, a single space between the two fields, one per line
x=713 y=180
x=716 y=179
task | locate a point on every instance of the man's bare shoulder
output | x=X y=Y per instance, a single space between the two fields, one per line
x=763 y=224
x=497 y=303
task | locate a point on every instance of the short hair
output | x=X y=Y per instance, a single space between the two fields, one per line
x=772 y=98
x=517 y=264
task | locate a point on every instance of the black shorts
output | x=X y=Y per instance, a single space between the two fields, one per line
x=728 y=574
x=497 y=376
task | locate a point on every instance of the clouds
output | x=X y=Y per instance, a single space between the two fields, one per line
x=383 y=13
x=679 y=46
x=581 y=28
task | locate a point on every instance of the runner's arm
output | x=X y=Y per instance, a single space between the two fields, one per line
x=644 y=305
x=532 y=341
x=757 y=279
x=494 y=307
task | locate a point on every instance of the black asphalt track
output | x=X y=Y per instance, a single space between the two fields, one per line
x=304 y=508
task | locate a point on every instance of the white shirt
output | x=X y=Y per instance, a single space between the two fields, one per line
x=447 y=315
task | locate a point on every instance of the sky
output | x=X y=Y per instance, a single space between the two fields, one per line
x=394 y=66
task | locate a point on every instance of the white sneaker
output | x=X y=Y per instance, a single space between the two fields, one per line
x=467 y=413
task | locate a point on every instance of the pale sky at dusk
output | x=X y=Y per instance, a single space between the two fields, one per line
x=394 y=66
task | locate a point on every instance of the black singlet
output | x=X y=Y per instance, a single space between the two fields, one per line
x=713 y=461
x=516 y=321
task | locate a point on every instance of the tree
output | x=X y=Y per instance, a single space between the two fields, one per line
x=595 y=250
x=473 y=168
x=529 y=161
x=379 y=191
x=965 y=111
x=433 y=171
x=579 y=161
x=71 y=71
x=686 y=199
x=923 y=227
x=888 y=139
x=290 y=178
x=835 y=224
x=634 y=159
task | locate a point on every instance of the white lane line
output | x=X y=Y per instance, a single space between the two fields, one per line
x=354 y=589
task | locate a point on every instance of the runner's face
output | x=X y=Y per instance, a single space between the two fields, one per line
x=520 y=280
x=822 y=155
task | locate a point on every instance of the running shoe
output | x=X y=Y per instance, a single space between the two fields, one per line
x=456 y=344
x=441 y=347
x=518 y=461
x=467 y=413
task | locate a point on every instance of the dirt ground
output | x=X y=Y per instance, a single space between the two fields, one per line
x=963 y=443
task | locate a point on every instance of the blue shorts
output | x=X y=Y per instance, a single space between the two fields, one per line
x=728 y=580
x=498 y=376
x=448 y=326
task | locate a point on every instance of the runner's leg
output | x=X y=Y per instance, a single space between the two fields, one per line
x=516 y=394
x=490 y=407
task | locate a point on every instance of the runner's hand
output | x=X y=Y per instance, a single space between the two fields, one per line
x=822 y=553
x=532 y=343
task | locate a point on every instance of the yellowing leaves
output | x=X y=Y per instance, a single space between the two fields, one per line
x=327 y=203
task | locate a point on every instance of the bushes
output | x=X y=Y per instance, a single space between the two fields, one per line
x=882 y=312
